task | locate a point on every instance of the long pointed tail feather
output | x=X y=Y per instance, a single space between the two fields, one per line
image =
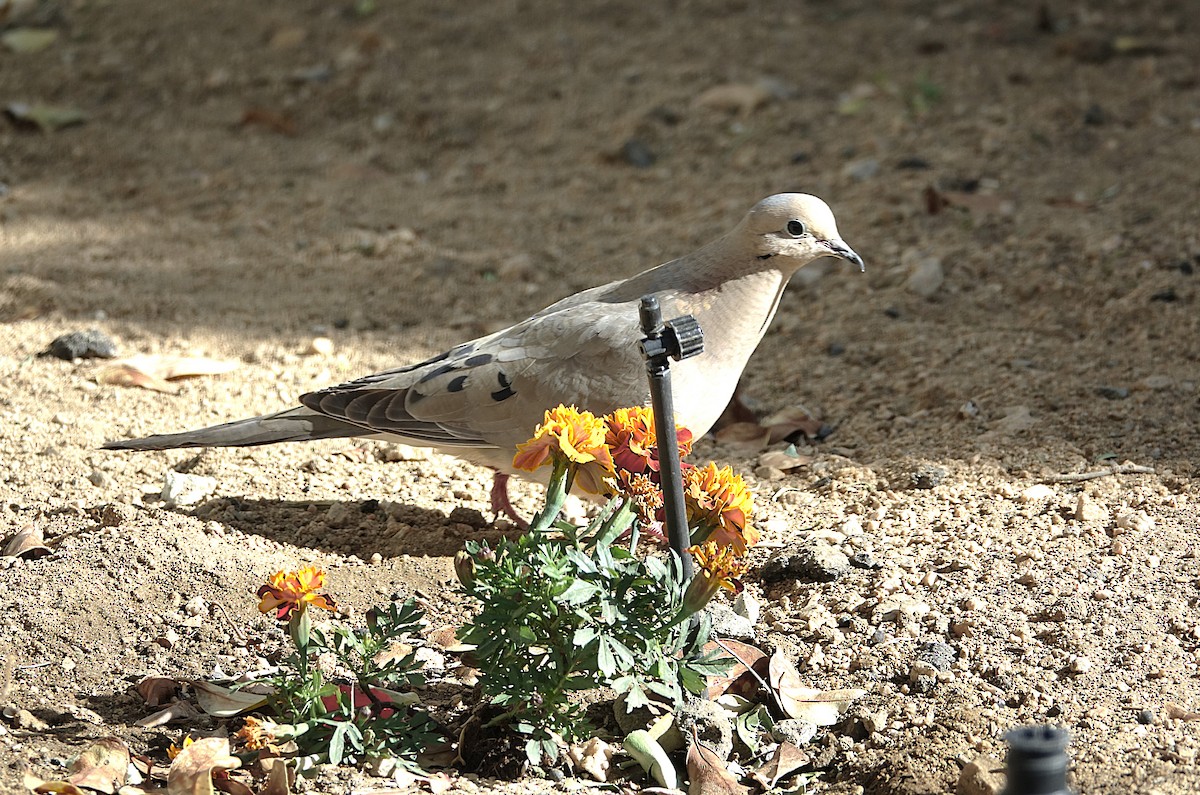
x=294 y=425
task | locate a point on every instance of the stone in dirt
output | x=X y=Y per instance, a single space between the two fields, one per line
x=90 y=344
x=810 y=561
x=983 y=775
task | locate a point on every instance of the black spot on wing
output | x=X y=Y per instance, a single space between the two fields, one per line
x=457 y=384
x=505 y=391
x=439 y=371
x=478 y=360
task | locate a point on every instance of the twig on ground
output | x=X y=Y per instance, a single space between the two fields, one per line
x=1119 y=469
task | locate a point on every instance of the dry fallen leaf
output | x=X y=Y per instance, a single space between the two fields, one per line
x=46 y=118
x=102 y=767
x=783 y=460
x=157 y=690
x=737 y=680
x=270 y=120
x=280 y=777
x=174 y=712
x=786 y=760
x=222 y=702
x=1177 y=712
x=28 y=40
x=819 y=707
x=154 y=371
x=708 y=774
x=26 y=543
x=446 y=638
x=191 y=772
x=743 y=437
x=786 y=423
x=740 y=98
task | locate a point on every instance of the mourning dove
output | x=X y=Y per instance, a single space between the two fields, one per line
x=479 y=399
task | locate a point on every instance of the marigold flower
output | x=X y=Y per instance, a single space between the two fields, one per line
x=634 y=444
x=174 y=750
x=719 y=502
x=257 y=734
x=574 y=436
x=287 y=591
x=646 y=495
x=717 y=567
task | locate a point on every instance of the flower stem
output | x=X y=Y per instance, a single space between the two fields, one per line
x=556 y=495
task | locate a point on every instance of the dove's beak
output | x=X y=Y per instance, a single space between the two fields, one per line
x=840 y=249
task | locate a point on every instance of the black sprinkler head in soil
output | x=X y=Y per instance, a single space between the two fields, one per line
x=1037 y=761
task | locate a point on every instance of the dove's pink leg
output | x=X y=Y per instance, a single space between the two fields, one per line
x=501 y=506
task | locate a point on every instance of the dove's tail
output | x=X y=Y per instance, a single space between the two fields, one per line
x=294 y=425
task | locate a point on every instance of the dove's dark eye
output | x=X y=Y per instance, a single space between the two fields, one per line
x=796 y=228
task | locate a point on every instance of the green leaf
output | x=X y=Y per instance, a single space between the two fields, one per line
x=583 y=636
x=605 y=659
x=337 y=744
x=578 y=592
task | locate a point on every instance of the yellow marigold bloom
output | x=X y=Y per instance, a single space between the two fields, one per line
x=717 y=567
x=174 y=750
x=719 y=501
x=286 y=591
x=257 y=734
x=634 y=444
x=574 y=436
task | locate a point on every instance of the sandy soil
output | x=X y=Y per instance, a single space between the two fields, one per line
x=252 y=176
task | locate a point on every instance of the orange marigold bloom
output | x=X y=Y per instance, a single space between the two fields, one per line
x=257 y=734
x=286 y=591
x=574 y=436
x=719 y=502
x=174 y=750
x=717 y=567
x=634 y=444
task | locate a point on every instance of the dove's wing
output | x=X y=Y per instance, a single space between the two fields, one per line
x=492 y=392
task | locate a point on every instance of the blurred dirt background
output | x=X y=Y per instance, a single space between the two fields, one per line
x=243 y=178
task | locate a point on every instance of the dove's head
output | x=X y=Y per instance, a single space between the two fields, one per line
x=797 y=228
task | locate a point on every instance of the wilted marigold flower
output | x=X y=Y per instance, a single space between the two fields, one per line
x=286 y=591
x=574 y=436
x=717 y=567
x=645 y=493
x=634 y=444
x=719 y=502
x=257 y=734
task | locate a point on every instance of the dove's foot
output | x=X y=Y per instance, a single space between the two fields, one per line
x=501 y=506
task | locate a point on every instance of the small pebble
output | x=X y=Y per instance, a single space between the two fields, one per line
x=940 y=655
x=1112 y=392
x=90 y=344
x=927 y=477
x=319 y=346
x=1037 y=493
x=861 y=170
x=1145 y=717
x=796 y=731
x=1080 y=665
x=808 y=561
x=926 y=277
x=195 y=606
x=638 y=154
